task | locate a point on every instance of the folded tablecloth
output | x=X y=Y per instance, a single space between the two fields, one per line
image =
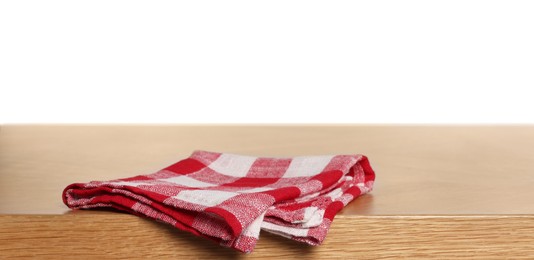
x=229 y=198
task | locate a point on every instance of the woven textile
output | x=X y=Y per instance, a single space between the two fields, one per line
x=229 y=198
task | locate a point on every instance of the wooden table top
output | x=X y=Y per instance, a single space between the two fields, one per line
x=421 y=170
x=441 y=191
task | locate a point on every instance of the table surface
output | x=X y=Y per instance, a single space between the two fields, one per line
x=421 y=170
x=441 y=191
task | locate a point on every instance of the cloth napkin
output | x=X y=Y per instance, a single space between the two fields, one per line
x=228 y=198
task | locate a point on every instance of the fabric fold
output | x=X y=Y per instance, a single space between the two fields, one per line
x=228 y=198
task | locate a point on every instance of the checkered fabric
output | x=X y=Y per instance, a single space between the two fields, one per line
x=229 y=198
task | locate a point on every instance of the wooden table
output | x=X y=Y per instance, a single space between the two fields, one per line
x=441 y=191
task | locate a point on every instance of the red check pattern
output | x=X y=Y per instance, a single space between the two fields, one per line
x=229 y=198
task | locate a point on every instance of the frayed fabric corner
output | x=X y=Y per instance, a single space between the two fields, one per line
x=229 y=198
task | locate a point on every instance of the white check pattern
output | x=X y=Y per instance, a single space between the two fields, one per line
x=229 y=198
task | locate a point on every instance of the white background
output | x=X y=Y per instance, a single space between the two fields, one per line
x=266 y=61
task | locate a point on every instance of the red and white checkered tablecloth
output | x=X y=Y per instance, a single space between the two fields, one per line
x=229 y=198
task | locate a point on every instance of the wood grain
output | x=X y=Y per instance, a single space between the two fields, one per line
x=441 y=191
x=118 y=235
